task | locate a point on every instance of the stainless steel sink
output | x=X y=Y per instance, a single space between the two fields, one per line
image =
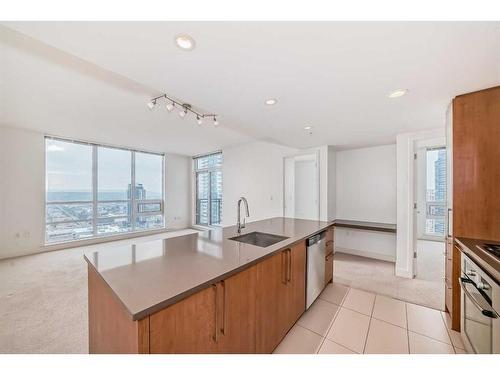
x=259 y=239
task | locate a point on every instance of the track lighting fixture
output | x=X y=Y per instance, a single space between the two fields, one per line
x=184 y=109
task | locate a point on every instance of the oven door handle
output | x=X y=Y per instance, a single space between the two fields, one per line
x=489 y=313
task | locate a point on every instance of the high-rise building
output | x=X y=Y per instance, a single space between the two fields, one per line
x=440 y=190
x=440 y=176
x=140 y=193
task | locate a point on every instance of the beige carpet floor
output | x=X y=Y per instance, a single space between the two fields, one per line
x=378 y=276
x=43 y=300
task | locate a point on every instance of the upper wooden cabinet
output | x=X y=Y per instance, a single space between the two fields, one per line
x=476 y=161
x=473 y=132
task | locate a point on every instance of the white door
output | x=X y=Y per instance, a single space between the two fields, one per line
x=301 y=187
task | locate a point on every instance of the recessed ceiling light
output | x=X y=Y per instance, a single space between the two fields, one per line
x=271 y=101
x=397 y=93
x=308 y=127
x=185 y=42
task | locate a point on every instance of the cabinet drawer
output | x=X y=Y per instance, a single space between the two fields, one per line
x=329 y=234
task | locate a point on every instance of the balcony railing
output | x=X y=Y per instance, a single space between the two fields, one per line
x=203 y=211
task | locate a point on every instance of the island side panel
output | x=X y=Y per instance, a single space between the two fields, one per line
x=111 y=328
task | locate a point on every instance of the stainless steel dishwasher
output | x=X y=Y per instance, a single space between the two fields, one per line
x=315 y=267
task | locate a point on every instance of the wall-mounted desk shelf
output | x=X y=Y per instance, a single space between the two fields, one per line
x=365 y=225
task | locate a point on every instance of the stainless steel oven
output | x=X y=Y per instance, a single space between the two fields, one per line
x=480 y=307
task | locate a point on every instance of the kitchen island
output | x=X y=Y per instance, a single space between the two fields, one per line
x=203 y=292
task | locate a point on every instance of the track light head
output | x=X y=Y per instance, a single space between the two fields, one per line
x=185 y=107
x=216 y=123
x=170 y=106
x=151 y=104
x=199 y=120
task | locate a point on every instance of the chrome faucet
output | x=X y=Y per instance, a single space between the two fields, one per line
x=238 y=223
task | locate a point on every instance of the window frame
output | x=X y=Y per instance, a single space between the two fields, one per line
x=210 y=171
x=94 y=202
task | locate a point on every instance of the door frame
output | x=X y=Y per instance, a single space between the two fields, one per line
x=316 y=155
x=418 y=145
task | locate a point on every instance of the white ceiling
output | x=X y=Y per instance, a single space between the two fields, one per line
x=91 y=80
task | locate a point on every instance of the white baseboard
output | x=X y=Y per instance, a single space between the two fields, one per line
x=403 y=272
x=366 y=254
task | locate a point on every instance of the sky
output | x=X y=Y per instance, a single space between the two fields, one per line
x=69 y=168
x=432 y=156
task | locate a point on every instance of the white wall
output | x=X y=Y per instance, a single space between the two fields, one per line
x=366 y=191
x=178 y=191
x=331 y=183
x=405 y=144
x=22 y=158
x=255 y=171
x=22 y=194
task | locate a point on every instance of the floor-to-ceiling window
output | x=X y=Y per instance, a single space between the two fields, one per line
x=94 y=190
x=208 y=200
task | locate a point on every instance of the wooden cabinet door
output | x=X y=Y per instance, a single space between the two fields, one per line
x=238 y=312
x=296 y=282
x=272 y=302
x=188 y=326
x=329 y=241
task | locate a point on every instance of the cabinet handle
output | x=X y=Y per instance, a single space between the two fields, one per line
x=224 y=309
x=289 y=278
x=283 y=266
x=216 y=336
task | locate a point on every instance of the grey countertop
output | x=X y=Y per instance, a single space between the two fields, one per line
x=149 y=276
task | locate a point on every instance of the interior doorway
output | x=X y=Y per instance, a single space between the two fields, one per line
x=430 y=192
x=301 y=186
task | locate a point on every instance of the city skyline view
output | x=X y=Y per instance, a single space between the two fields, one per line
x=71 y=213
x=435 y=192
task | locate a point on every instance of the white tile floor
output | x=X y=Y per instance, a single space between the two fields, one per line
x=345 y=320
